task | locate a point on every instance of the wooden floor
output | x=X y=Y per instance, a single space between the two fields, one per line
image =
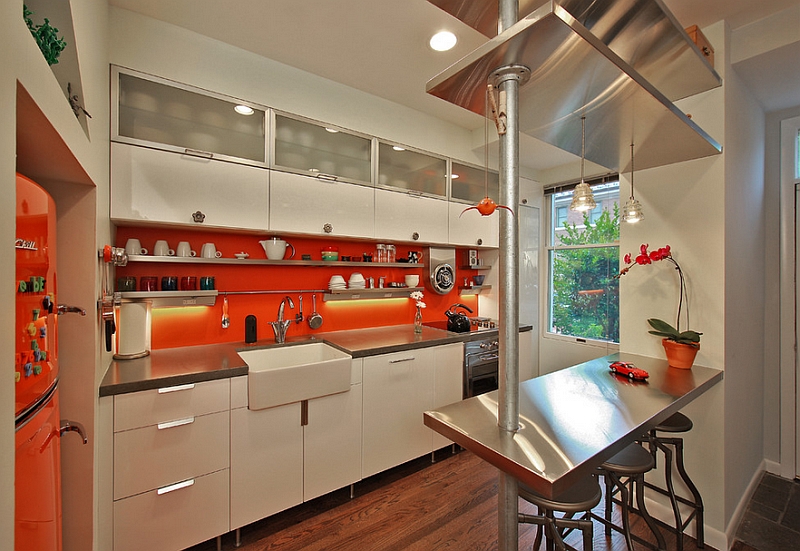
x=451 y=504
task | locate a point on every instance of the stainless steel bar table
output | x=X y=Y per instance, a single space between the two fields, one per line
x=571 y=420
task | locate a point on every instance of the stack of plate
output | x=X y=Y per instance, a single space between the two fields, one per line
x=337 y=282
x=357 y=281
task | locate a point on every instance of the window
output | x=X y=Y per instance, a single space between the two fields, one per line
x=583 y=258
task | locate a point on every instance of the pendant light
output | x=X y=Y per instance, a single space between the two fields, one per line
x=582 y=196
x=632 y=211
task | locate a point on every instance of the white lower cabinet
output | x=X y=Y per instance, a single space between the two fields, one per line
x=165 y=187
x=409 y=217
x=471 y=229
x=304 y=204
x=277 y=462
x=171 y=466
x=398 y=388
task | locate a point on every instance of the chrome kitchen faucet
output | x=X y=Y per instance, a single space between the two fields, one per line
x=280 y=326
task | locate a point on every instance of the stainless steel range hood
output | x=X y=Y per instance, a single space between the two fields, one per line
x=589 y=57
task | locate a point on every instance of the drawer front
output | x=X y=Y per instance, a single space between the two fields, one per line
x=159 y=455
x=175 y=519
x=150 y=407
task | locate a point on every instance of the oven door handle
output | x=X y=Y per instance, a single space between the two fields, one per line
x=480 y=357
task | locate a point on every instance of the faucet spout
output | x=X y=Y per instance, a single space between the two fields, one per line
x=280 y=326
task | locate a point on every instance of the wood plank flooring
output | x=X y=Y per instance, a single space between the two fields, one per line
x=448 y=505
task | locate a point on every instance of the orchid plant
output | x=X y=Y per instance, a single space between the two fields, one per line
x=660 y=327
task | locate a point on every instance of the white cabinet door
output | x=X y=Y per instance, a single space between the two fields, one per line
x=528 y=365
x=161 y=186
x=448 y=382
x=303 y=204
x=266 y=462
x=332 y=437
x=472 y=229
x=410 y=217
x=398 y=388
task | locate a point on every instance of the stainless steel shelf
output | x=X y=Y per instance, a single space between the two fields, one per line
x=354 y=294
x=474 y=290
x=481 y=267
x=161 y=299
x=265 y=262
x=575 y=72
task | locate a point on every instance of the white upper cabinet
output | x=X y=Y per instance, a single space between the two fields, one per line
x=164 y=187
x=411 y=199
x=468 y=186
x=314 y=149
x=318 y=206
x=155 y=112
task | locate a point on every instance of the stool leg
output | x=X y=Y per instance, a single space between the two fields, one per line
x=609 y=486
x=623 y=498
x=671 y=491
x=638 y=482
x=698 y=500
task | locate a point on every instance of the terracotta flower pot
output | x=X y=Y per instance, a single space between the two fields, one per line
x=680 y=355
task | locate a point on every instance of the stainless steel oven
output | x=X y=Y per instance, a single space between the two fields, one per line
x=480 y=366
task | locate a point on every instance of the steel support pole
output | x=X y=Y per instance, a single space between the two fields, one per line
x=507 y=83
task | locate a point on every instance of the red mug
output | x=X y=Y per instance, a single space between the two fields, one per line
x=188 y=283
x=148 y=283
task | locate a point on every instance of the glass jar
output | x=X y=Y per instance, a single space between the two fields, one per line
x=391 y=253
x=380 y=252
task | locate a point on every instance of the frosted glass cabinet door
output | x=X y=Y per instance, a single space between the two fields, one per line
x=408 y=170
x=163 y=114
x=305 y=204
x=160 y=186
x=409 y=217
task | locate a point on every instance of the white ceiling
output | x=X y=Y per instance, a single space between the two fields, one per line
x=380 y=46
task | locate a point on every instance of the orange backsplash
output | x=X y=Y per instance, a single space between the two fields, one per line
x=174 y=327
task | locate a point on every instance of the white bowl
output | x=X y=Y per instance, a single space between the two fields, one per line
x=412 y=280
x=337 y=279
x=356 y=277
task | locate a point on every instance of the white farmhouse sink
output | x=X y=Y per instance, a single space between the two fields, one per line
x=287 y=374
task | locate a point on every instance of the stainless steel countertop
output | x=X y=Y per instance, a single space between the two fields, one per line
x=571 y=420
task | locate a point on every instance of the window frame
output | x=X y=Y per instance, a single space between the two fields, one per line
x=547 y=273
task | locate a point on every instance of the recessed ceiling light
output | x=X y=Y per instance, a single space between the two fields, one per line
x=331 y=130
x=454 y=176
x=398 y=148
x=244 y=110
x=443 y=41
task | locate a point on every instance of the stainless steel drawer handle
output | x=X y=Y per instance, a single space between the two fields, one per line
x=175 y=388
x=411 y=359
x=198 y=153
x=176 y=486
x=176 y=423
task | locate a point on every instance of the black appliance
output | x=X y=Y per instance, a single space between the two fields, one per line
x=481 y=366
x=458 y=322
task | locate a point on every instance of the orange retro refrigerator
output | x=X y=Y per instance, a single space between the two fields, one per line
x=37 y=522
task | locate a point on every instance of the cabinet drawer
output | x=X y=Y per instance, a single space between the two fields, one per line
x=149 y=407
x=174 y=519
x=159 y=455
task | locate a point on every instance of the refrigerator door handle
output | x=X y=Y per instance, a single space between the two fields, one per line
x=73 y=426
x=64 y=309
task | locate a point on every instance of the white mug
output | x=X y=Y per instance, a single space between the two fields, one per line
x=133 y=246
x=161 y=248
x=276 y=248
x=209 y=250
x=184 y=249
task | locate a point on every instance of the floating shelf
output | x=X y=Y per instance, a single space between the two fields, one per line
x=481 y=267
x=474 y=290
x=354 y=294
x=265 y=262
x=161 y=299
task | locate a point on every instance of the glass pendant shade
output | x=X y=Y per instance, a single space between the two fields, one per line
x=632 y=211
x=582 y=198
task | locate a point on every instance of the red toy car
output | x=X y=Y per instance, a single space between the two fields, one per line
x=627 y=369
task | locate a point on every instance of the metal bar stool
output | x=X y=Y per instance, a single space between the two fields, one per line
x=579 y=498
x=675 y=424
x=624 y=474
